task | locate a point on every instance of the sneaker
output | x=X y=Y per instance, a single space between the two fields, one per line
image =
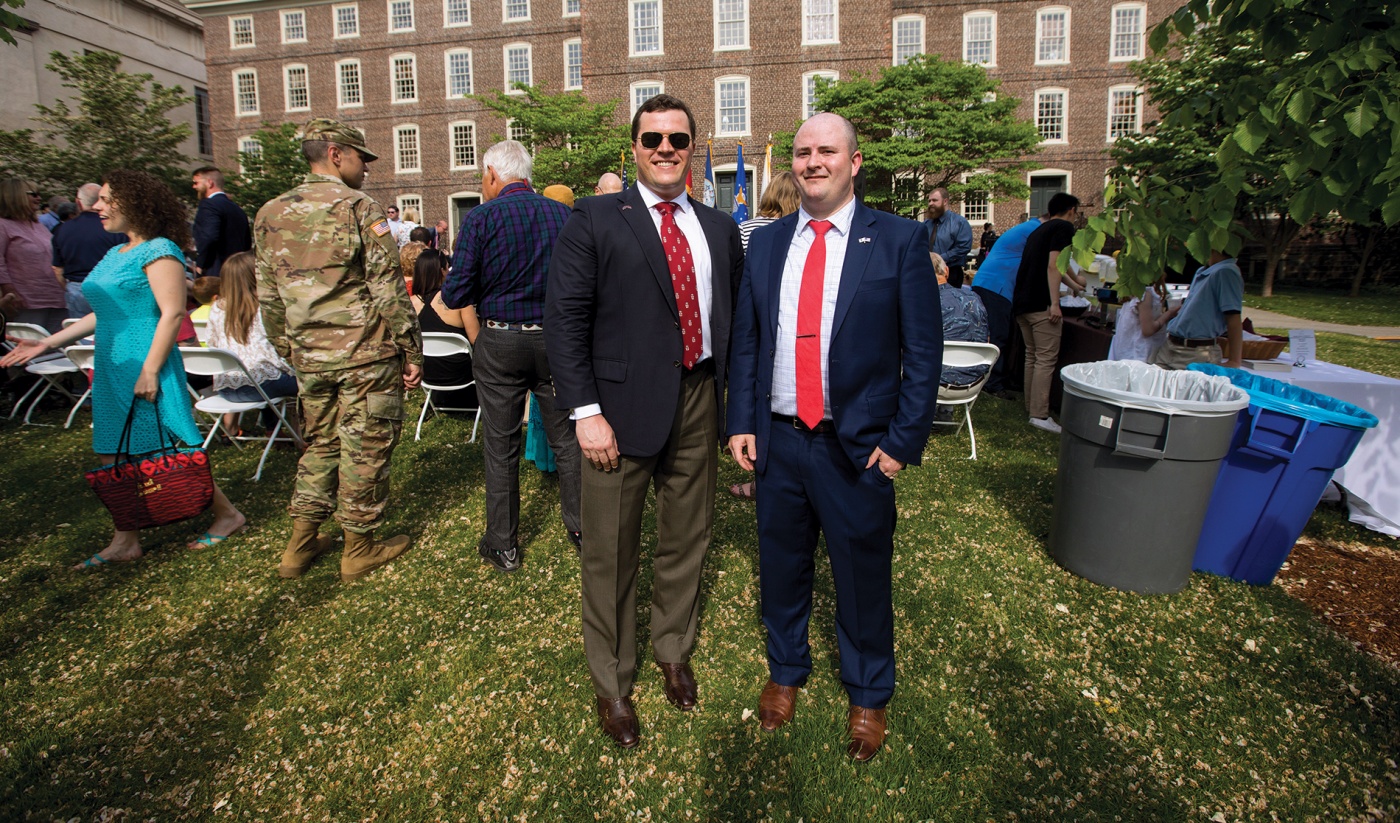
x=506 y=561
x=1047 y=424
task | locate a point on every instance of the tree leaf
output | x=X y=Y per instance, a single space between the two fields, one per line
x=1361 y=119
x=1390 y=212
x=1300 y=106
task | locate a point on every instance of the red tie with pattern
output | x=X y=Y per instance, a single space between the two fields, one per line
x=683 y=281
x=809 y=329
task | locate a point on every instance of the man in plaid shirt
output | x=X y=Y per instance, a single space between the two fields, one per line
x=500 y=266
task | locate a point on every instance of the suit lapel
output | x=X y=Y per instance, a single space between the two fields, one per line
x=634 y=213
x=777 y=261
x=853 y=267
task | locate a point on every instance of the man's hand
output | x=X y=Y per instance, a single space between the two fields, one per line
x=1055 y=315
x=412 y=376
x=888 y=465
x=597 y=442
x=744 y=448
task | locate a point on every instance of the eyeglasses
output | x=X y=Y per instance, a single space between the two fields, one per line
x=680 y=141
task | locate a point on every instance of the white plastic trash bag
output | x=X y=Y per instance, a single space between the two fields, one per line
x=1136 y=384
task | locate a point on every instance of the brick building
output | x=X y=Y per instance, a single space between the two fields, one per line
x=398 y=69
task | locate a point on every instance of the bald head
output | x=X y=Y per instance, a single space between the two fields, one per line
x=609 y=183
x=827 y=121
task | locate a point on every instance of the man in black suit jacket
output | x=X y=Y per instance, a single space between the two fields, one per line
x=220 y=226
x=636 y=328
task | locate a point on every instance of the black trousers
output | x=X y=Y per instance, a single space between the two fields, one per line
x=1000 y=327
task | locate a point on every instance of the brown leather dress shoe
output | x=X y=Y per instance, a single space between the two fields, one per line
x=866 y=728
x=775 y=706
x=680 y=684
x=619 y=720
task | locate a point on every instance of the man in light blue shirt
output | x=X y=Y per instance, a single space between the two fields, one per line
x=950 y=236
x=1212 y=309
x=994 y=283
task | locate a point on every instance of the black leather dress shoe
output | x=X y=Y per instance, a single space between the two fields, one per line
x=680 y=684
x=506 y=561
x=619 y=720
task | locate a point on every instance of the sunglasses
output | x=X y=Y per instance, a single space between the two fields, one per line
x=680 y=141
x=32 y=193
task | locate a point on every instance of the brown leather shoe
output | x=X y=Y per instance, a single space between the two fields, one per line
x=866 y=728
x=680 y=684
x=775 y=706
x=619 y=720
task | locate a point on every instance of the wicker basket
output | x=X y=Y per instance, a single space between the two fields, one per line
x=1256 y=349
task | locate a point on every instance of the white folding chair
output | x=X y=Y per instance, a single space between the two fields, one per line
x=960 y=355
x=444 y=344
x=201 y=330
x=49 y=368
x=212 y=362
x=82 y=357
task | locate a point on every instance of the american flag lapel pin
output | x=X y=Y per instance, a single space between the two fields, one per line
x=864 y=240
x=626 y=208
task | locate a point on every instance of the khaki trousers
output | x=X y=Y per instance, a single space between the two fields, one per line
x=1175 y=357
x=1042 y=350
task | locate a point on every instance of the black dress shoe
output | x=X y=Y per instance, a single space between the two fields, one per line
x=680 y=684
x=577 y=539
x=619 y=720
x=506 y=561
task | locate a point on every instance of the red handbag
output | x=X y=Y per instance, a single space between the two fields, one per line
x=161 y=487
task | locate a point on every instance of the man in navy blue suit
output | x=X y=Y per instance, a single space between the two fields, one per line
x=220 y=226
x=834 y=367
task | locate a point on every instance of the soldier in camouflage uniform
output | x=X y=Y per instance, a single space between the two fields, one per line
x=334 y=306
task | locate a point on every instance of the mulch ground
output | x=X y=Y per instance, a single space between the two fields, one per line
x=1352 y=587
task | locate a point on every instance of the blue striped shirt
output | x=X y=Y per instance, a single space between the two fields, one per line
x=501 y=262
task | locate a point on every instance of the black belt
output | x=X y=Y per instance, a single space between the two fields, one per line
x=706 y=366
x=499 y=326
x=824 y=427
x=1190 y=343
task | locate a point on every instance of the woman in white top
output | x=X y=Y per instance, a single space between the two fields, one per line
x=235 y=324
x=1142 y=325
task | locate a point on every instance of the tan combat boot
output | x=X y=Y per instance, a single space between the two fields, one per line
x=303 y=549
x=363 y=554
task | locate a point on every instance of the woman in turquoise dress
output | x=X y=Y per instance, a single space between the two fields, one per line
x=138 y=297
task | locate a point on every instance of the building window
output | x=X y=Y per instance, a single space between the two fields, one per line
x=347 y=20
x=202 y=127
x=294 y=26
x=644 y=91
x=463 y=145
x=515 y=131
x=406 y=155
x=1124 y=111
x=573 y=8
x=646 y=27
x=459 y=72
x=400 y=15
x=248 y=149
x=1128 y=28
x=519 y=67
x=295 y=86
x=245 y=92
x=976 y=207
x=404 y=71
x=515 y=10
x=819 y=21
x=809 y=91
x=732 y=105
x=573 y=64
x=240 y=32
x=410 y=207
x=731 y=24
x=350 y=92
x=980 y=38
x=1050 y=114
x=908 y=37
x=1052 y=36
x=456 y=12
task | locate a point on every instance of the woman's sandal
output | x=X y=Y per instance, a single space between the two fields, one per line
x=209 y=540
x=97 y=561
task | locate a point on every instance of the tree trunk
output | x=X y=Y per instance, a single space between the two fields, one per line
x=1276 y=239
x=1368 y=245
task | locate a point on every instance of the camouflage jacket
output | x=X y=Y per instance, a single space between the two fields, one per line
x=329 y=279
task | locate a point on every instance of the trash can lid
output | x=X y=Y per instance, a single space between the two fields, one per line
x=1276 y=395
x=1133 y=383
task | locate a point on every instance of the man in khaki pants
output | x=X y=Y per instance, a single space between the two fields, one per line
x=1036 y=303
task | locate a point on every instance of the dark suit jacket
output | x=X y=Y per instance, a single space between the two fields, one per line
x=611 y=326
x=220 y=231
x=886 y=348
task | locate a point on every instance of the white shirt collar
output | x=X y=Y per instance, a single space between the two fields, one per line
x=651 y=198
x=840 y=219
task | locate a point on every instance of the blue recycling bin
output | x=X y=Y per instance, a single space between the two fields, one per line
x=1286 y=446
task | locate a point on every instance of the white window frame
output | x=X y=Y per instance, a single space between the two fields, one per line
x=575 y=13
x=335 y=21
x=506 y=18
x=632 y=29
x=988 y=204
x=807 y=39
x=1137 y=114
x=1114 y=33
x=446 y=15
x=894 y=36
x=286 y=13
x=1040 y=15
x=808 y=88
x=447 y=72
x=748 y=105
x=411 y=201
x=394 y=77
x=237 y=97
x=632 y=90
x=452 y=146
x=245 y=145
x=233 y=32
x=510 y=129
x=340 y=83
x=1064 y=114
x=744 y=46
x=399 y=168
x=967 y=26
x=287 y=86
x=573 y=41
x=412 y=17
x=529 y=65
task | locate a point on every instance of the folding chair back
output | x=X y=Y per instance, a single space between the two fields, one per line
x=214 y=362
x=961 y=355
x=444 y=344
x=49 y=368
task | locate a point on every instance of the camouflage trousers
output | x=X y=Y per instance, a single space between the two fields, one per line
x=351 y=420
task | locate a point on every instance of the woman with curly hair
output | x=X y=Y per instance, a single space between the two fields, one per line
x=138 y=296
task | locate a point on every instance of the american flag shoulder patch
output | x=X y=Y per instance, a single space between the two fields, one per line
x=381 y=228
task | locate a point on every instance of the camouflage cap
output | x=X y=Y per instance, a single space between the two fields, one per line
x=334 y=131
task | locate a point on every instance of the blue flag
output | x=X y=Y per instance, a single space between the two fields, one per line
x=624 y=169
x=709 y=198
x=741 y=205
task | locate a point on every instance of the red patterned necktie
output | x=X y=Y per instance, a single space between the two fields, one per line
x=682 y=267
x=809 y=329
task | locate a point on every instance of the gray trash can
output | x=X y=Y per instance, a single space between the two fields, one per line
x=1138 y=459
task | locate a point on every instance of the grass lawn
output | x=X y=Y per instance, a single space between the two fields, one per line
x=197 y=685
x=1377 y=306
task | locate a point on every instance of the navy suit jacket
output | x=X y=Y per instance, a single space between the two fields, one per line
x=220 y=231
x=886 y=347
x=611 y=327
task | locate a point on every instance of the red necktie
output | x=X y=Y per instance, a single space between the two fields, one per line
x=810 y=408
x=682 y=267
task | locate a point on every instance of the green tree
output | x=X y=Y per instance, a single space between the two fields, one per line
x=9 y=21
x=574 y=141
x=116 y=120
x=277 y=166
x=929 y=123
